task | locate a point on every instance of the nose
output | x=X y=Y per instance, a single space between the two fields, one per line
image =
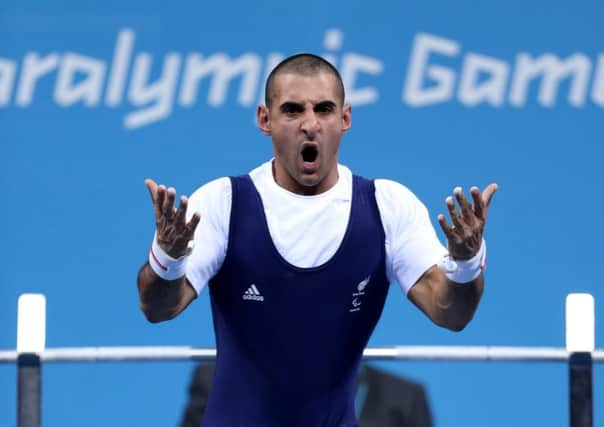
x=310 y=124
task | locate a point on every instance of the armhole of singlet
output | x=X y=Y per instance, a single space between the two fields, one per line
x=376 y=208
x=234 y=181
x=368 y=185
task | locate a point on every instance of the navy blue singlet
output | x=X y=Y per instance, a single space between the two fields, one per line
x=290 y=339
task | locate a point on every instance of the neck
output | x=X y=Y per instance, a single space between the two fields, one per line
x=286 y=181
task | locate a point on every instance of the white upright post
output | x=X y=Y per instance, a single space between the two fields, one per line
x=580 y=343
x=31 y=340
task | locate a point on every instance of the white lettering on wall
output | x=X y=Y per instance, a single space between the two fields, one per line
x=8 y=70
x=88 y=90
x=414 y=92
x=353 y=65
x=547 y=67
x=160 y=93
x=332 y=42
x=222 y=69
x=439 y=71
x=491 y=91
x=34 y=67
x=597 y=92
x=248 y=65
x=552 y=69
x=119 y=67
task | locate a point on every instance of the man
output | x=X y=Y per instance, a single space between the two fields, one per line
x=299 y=254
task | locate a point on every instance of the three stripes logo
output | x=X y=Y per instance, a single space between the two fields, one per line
x=253 y=294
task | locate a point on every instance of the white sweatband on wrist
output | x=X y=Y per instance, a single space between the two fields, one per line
x=164 y=265
x=465 y=271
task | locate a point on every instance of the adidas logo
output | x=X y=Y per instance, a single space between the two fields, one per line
x=253 y=294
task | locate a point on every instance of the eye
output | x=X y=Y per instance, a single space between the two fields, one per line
x=291 y=108
x=325 y=107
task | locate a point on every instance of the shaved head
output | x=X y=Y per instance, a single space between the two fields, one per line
x=304 y=64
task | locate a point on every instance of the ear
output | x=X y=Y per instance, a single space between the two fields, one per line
x=346 y=117
x=264 y=122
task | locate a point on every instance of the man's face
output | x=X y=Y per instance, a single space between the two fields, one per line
x=306 y=121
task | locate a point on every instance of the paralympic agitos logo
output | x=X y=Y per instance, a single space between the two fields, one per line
x=475 y=80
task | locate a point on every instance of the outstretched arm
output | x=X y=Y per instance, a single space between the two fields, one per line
x=447 y=302
x=163 y=289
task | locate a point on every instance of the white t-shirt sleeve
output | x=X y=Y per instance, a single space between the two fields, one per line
x=412 y=246
x=213 y=203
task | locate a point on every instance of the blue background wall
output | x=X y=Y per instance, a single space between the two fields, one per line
x=77 y=222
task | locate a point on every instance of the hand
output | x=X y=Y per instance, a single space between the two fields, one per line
x=465 y=235
x=173 y=233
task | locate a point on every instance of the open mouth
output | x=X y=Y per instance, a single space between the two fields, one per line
x=309 y=153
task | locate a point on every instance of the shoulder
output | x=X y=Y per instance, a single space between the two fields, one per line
x=214 y=194
x=344 y=171
x=213 y=188
x=389 y=189
x=393 y=197
x=263 y=174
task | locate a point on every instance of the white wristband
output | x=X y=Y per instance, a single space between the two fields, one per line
x=164 y=265
x=465 y=271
